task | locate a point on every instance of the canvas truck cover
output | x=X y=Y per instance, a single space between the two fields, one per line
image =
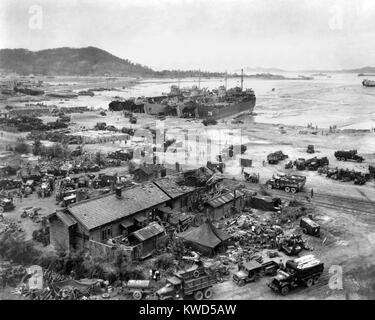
x=262 y=203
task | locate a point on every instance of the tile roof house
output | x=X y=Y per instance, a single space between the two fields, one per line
x=108 y=216
x=182 y=197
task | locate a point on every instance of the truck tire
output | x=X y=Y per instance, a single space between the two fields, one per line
x=309 y=282
x=241 y=283
x=293 y=190
x=284 y=290
x=287 y=189
x=198 y=295
x=208 y=293
x=137 y=295
x=304 y=230
x=316 y=279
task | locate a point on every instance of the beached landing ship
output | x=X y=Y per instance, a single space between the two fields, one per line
x=193 y=103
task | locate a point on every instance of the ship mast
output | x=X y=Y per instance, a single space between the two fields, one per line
x=241 y=79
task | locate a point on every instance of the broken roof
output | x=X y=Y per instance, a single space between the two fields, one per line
x=107 y=208
x=152 y=230
x=171 y=188
x=223 y=199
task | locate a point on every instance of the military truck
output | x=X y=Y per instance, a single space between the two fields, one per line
x=253 y=270
x=138 y=288
x=348 y=155
x=275 y=157
x=290 y=183
x=300 y=163
x=315 y=163
x=310 y=149
x=304 y=271
x=309 y=227
x=196 y=282
x=6 y=205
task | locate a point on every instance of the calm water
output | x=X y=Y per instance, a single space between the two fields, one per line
x=340 y=100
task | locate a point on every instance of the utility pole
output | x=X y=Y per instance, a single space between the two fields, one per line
x=199 y=79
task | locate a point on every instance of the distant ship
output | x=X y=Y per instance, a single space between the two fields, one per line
x=368 y=83
x=193 y=102
x=62 y=95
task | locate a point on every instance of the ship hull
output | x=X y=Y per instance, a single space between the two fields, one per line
x=215 y=112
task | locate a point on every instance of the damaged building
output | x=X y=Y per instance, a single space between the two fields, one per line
x=109 y=216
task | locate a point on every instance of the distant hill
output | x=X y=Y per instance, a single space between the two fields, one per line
x=88 y=61
x=69 y=61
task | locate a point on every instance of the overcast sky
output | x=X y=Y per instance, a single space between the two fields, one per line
x=201 y=34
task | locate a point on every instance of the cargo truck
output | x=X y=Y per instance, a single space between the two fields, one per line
x=197 y=283
x=304 y=271
x=348 y=155
x=289 y=183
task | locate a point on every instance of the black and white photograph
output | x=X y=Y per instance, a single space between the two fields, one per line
x=192 y=150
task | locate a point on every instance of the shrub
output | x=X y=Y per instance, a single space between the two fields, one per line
x=22 y=147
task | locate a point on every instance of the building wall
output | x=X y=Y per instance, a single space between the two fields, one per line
x=59 y=235
x=226 y=209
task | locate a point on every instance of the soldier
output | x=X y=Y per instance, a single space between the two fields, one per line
x=312 y=192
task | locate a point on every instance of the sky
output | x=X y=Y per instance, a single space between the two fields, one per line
x=213 y=35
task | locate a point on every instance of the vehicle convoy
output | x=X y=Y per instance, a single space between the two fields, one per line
x=253 y=270
x=348 y=155
x=196 y=282
x=275 y=157
x=289 y=183
x=309 y=227
x=304 y=271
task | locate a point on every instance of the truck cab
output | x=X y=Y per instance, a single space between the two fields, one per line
x=304 y=271
x=171 y=290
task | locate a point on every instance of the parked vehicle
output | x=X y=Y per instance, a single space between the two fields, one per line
x=196 y=282
x=6 y=205
x=300 y=163
x=309 y=227
x=304 y=271
x=275 y=157
x=310 y=149
x=138 y=288
x=289 y=165
x=253 y=270
x=315 y=163
x=290 y=183
x=348 y=155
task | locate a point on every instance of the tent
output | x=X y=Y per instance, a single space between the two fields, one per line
x=205 y=238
